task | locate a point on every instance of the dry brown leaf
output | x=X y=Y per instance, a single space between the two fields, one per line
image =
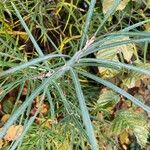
x=24 y=91
x=44 y=109
x=13 y=132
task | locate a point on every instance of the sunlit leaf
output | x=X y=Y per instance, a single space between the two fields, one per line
x=141 y=133
x=112 y=54
x=134 y=121
x=147 y=3
x=107 y=4
x=133 y=78
x=130 y=82
x=5 y=118
x=108 y=99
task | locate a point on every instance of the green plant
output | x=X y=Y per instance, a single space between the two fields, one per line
x=59 y=69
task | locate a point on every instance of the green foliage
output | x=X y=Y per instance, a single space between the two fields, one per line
x=133 y=77
x=134 y=121
x=125 y=53
x=47 y=50
x=46 y=138
x=108 y=99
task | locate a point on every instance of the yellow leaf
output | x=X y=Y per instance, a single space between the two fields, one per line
x=107 y=4
x=148 y=2
x=1 y=143
x=147 y=26
x=124 y=137
x=126 y=50
x=46 y=123
x=122 y=5
x=1 y=90
x=13 y=132
x=44 y=109
x=5 y=118
x=67 y=40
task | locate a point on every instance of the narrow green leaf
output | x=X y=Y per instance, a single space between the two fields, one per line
x=87 y=22
x=32 y=62
x=135 y=25
x=108 y=14
x=23 y=107
x=138 y=34
x=84 y=111
x=118 y=90
x=102 y=45
x=118 y=65
x=63 y=98
x=38 y=49
x=52 y=110
x=29 y=123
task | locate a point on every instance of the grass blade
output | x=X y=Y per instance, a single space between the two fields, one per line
x=87 y=23
x=111 y=64
x=38 y=49
x=117 y=89
x=33 y=62
x=135 y=25
x=102 y=45
x=22 y=108
x=52 y=110
x=108 y=14
x=138 y=34
x=63 y=98
x=29 y=123
x=84 y=111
